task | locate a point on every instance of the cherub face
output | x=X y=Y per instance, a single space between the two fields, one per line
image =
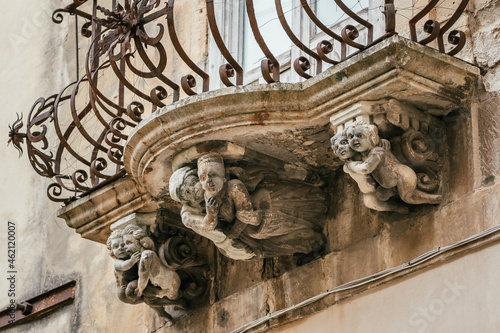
x=359 y=139
x=341 y=147
x=212 y=178
x=191 y=189
x=131 y=244
x=118 y=248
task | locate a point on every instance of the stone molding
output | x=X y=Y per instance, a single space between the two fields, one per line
x=93 y=215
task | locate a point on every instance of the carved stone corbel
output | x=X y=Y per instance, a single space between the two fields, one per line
x=162 y=269
x=391 y=150
x=249 y=205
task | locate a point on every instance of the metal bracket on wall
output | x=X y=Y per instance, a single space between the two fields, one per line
x=38 y=306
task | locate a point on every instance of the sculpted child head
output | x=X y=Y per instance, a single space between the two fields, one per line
x=185 y=187
x=362 y=136
x=136 y=239
x=340 y=146
x=116 y=246
x=212 y=173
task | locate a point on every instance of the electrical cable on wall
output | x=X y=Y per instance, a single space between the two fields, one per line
x=369 y=279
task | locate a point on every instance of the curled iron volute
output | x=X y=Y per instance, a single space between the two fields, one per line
x=135 y=110
x=457 y=38
x=54 y=192
x=323 y=48
x=188 y=82
x=432 y=27
x=301 y=65
x=78 y=178
x=267 y=69
x=116 y=126
x=349 y=34
x=57 y=17
x=97 y=166
x=158 y=94
x=226 y=71
x=86 y=30
x=115 y=155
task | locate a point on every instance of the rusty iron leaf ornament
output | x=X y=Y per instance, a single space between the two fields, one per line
x=14 y=136
x=124 y=22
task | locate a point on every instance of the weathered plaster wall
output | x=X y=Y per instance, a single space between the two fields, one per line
x=35 y=62
x=458 y=296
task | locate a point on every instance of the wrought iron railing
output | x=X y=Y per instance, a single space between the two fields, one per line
x=90 y=118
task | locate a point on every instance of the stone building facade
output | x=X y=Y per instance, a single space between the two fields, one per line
x=352 y=255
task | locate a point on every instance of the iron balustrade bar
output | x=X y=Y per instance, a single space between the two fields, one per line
x=270 y=67
x=226 y=70
x=188 y=82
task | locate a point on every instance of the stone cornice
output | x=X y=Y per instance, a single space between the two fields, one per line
x=93 y=215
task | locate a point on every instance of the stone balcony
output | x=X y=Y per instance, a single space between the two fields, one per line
x=399 y=80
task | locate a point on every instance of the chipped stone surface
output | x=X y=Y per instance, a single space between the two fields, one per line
x=93 y=215
x=486 y=34
x=489 y=127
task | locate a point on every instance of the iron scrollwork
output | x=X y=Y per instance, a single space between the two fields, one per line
x=90 y=110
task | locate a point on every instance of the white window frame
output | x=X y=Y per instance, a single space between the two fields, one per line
x=230 y=21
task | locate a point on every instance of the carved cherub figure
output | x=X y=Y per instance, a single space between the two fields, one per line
x=263 y=224
x=367 y=185
x=140 y=275
x=125 y=268
x=150 y=268
x=226 y=200
x=383 y=166
x=186 y=188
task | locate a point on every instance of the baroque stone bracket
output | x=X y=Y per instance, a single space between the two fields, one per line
x=166 y=268
x=250 y=205
x=393 y=151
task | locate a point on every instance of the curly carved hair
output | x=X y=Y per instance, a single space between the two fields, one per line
x=140 y=235
x=177 y=181
x=372 y=131
x=336 y=138
x=115 y=234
